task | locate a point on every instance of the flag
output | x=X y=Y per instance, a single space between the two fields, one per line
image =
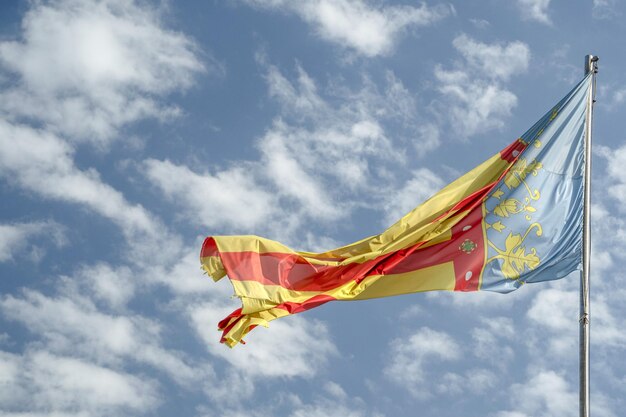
x=516 y=218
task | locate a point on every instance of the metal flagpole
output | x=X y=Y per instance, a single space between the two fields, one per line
x=591 y=66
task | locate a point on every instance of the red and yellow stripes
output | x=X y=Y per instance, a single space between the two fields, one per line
x=437 y=246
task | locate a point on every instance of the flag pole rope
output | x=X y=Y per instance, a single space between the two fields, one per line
x=591 y=66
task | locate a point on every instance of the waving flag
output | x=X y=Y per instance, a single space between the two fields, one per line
x=516 y=218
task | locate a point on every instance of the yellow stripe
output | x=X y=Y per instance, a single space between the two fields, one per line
x=256 y=297
x=417 y=226
x=259 y=301
x=260 y=311
x=215 y=269
x=242 y=327
x=213 y=266
x=432 y=278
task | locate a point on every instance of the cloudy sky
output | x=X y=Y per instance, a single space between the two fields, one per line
x=130 y=130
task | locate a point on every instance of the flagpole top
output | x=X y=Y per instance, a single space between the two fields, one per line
x=591 y=64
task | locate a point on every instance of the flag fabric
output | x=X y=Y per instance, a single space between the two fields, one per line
x=516 y=218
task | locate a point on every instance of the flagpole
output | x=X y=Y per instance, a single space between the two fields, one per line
x=591 y=66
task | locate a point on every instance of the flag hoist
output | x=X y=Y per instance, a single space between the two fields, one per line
x=520 y=217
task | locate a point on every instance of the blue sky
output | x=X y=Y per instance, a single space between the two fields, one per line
x=130 y=130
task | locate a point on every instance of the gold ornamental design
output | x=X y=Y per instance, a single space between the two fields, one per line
x=515 y=256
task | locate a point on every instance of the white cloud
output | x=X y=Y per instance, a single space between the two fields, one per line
x=14 y=238
x=423 y=184
x=412 y=312
x=287 y=167
x=335 y=140
x=329 y=400
x=319 y=243
x=605 y=9
x=546 y=393
x=475 y=381
x=318 y=152
x=334 y=403
x=494 y=60
x=607 y=331
x=557 y=311
x=480 y=23
x=618 y=96
x=301 y=99
x=114 y=286
x=388 y=101
x=397 y=101
x=41 y=382
x=72 y=324
x=184 y=277
x=369 y=29
x=602 y=404
x=231 y=197
x=612 y=229
x=87 y=68
x=474 y=99
x=481 y=301
x=410 y=358
x=477 y=106
x=493 y=338
x=511 y=414
x=615 y=158
x=296 y=159
x=560 y=65
x=340 y=141
x=428 y=138
x=607 y=220
x=42 y=163
x=81 y=71
x=536 y=10
x=303 y=344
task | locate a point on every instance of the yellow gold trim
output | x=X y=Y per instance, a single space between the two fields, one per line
x=485 y=246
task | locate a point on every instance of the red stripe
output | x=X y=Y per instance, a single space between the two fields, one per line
x=312 y=302
x=276 y=268
x=511 y=152
x=289 y=306
x=238 y=315
x=224 y=323
x=209 y=248
x=294 y=272
x=508 y=154
x=470 y=201
x=468 y=266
